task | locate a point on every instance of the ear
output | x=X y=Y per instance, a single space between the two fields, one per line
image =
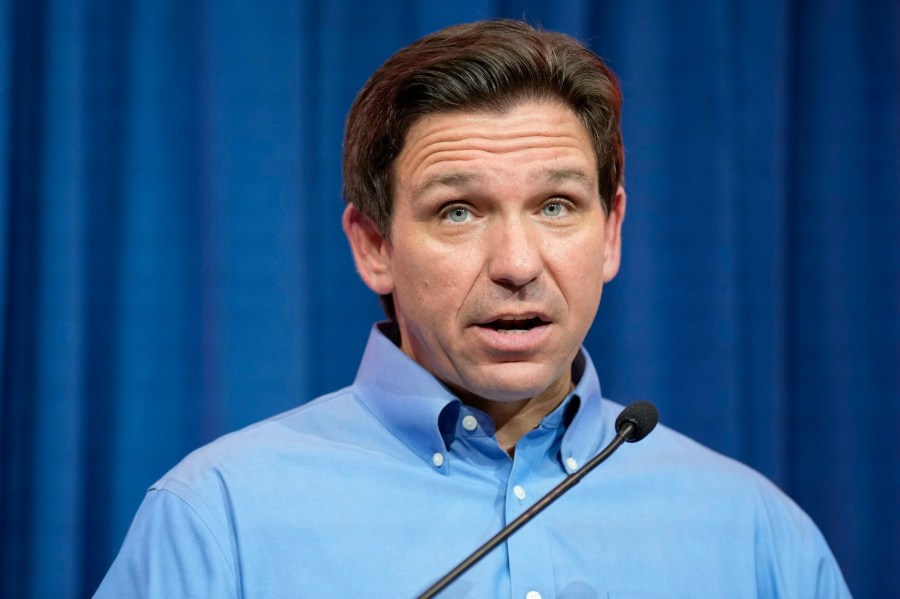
x=371 y=251
x=612 y=253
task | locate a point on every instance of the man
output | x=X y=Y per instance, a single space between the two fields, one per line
x=483 y=170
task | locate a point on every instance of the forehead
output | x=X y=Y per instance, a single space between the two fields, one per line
x=530 y=132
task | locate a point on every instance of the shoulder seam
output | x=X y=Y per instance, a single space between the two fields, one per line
x=206 y=525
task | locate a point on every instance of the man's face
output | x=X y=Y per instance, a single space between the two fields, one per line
x=499 y=248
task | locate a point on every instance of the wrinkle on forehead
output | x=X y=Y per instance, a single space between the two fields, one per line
x=461 y=179
x=544 y=128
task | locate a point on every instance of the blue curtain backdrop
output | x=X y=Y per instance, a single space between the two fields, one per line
x=172 y=265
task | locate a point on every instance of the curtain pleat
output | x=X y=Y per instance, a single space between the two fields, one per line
x=172 y=265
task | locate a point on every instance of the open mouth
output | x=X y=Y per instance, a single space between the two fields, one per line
x=513 y=325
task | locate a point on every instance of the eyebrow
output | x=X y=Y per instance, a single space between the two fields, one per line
x=561 y=175
x=453 y=179
x=464 y=178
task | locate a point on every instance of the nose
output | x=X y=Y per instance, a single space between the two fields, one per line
x=515 y=256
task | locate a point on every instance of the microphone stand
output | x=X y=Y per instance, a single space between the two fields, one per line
x=624 y=434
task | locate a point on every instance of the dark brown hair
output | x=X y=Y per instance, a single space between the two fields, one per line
x=488 y=65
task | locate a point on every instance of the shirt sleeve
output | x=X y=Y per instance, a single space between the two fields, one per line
x=796 y=559
x=829 y=580
x=170 y=551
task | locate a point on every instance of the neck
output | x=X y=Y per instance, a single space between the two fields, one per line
x=514 y=419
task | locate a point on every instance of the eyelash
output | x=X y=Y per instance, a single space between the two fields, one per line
x=564 y=203
x=449 y=209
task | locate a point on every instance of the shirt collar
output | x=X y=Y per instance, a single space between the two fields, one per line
x=407 y=399
x=422 y=413
x=582 y=414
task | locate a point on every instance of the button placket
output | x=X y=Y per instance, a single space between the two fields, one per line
x=519 y=492
x=531 y=569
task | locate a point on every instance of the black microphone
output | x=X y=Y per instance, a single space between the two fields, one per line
x=642 y=417
x=633 y=424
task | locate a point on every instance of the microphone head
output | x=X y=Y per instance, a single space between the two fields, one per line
x=643 y=417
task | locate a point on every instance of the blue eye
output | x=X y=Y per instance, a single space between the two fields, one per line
x=554 y=209
x=458 y=214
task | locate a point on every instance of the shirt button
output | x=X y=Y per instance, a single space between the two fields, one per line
x=438 y=459
x=572 y=464
x=470 y=423
x=533 y=595
x=519 y=492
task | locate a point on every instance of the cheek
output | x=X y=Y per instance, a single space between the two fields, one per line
x=429 y=280
x=578 y=269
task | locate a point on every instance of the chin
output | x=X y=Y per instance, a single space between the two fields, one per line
x=511 y=386
x=507 y=395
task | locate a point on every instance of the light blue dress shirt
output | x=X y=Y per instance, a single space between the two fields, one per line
x=379 y=489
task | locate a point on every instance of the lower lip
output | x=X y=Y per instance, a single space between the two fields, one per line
x=514 y=342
